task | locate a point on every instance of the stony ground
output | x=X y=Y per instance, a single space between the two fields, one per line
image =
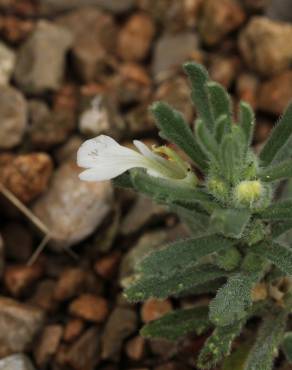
x=64 y=309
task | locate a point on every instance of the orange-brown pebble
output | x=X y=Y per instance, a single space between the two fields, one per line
x=153 y=309
x=47 y=345
x=135 y=348
x=107 y=266
x=69 y=284
x=90 y=307
x=73 y=329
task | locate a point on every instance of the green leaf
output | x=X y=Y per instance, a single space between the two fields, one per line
x=195 y=221
x=181 y=254
x=277 y=211
x=287 y=346
x=279 y=171
x=269 y=337
x=232 y=300
x=154 y=286
x=206 y=140
x=237 y=359
x=280 y=228
x=280 y=135
x=276 y=253
x=247 y=121
x=178 y=323
x=220 y=102
x=174 y=129
x=170 y=192
x=230 y=222
x=218 y=345
x=123 y=181
x=199 y=77
x=222 y=128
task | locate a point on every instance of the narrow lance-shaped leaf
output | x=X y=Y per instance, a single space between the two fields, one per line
x=269 y=337
x=174 y=129
x=276 y=253
x=280 y=228
x=247 y=121
x=287 y=346
x=276 y=172
x=230 y=222
x=157 y=287
x=199 y=77
x=178 y=323
x=182 y=254
x=222 y=128
x=206 y=140
x=280 y=135
x=195 y=221
x=220 y=103
x=277 y=211
x=218 y=345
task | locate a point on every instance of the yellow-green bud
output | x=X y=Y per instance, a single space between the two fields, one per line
x=229 y=260
x=248 y=192
x=218 y=188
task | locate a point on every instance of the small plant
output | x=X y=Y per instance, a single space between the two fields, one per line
x=237 y=225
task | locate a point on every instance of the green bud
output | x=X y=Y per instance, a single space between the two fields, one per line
x=256 y=233
x=218 y=188
x=247 y=193
x=228 y=260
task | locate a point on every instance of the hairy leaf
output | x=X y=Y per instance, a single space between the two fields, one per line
x=222 y=128
x=276 y=172
x=247 y=121
x=206 y=140
x=220 y=102
x=280 y=135
x=174 y=128
x=287 y=346
x=178 y=323
x=268 y=339
x=199 y=77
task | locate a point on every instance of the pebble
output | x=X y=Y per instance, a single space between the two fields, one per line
x=2 y=258
x=19 y=279
x=69 y=284
x=94 y=40
x=19 y=324
x=154 y=309
x=27 y=176
x=73 y=329
x=7 y=63
x=278 y=10
x=107 y=266
x=72 y=209
x=121 y=323
x=170 y=51
x=18 y=241
x=43 y=296
x=47 y=344
x=247 y=88
x=135 y=38
x=264 y=44
x=224 y=70
x=13 y=117
x=16 y=362
x=90 y=307
x=135 y=348
x=218 y=19
x=41 y=58
x=275 y=94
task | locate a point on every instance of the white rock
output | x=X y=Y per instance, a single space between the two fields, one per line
x=16 y=362
x=7 y=63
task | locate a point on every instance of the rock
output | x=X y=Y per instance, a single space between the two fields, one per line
x=154 y=309
x=41 y=58
x=263 y=130
x=16 y=362
x=279 y=10
x=2 y=261
x=121 y=323
x=224 y=69
x=27 y=175
x=135 y=348
x=275 y=94
x=135 y=37
x=73 y=329
x=101 y=118
x=264 y=44
x=217 y=19
x=94 y=40
x=140 y=214
x=84 y=353
x=19 y=324
x=73 y=209
x=13 y=117
x=171 y=51
x=16 y=235
x=48 y=128
x=43 y=296
x=70 y=283
x=47 y=345
x=7 y=62
x=163 y=348
x=257 y=5
x=68 y=150
x=113 y=6
x=247 y=88
x=19 y=279
x=107 y=266
x=90 y=308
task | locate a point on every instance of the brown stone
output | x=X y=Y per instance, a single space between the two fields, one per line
x=135 y=348
x=73 y=329
x=262 y=130
x=154 y=309
x=14 y=29
x=90 y=308
x=43 y=296
x=27 y=176
x=47 y=345
x=224 y=69
x=218 y=19
x=135 y=37
x=18 y=279
x=264 y=45
x=275 y=94
x=247 y=88
x=69 y=284
x=107 y=266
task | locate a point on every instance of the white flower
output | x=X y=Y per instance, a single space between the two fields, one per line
x=105 y=159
